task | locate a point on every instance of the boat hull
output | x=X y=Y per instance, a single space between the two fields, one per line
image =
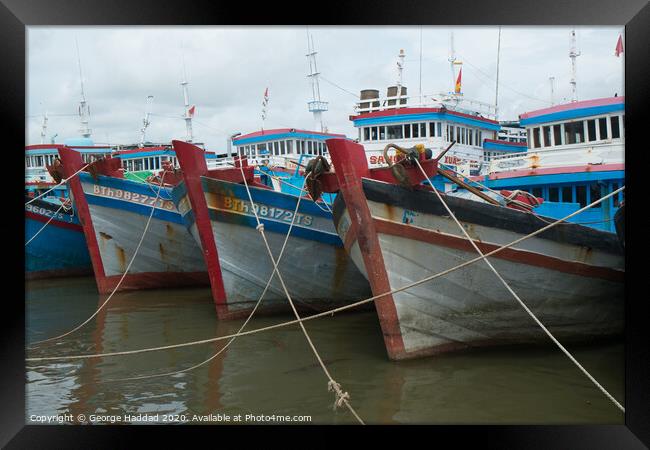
x=60 y=249
x=119 y=210
x=315 y=267
x=571 y=277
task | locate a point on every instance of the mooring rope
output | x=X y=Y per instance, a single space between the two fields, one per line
x=341 y=397
x=46 y=224
x=119 y=283
x=514 y=294
x=250 y=316
x=65 y=180
x=328 y=313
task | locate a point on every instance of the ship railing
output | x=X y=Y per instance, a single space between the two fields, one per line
x=451 y=102
x=559 y=157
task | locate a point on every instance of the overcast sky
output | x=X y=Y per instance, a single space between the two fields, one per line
x=228 y=69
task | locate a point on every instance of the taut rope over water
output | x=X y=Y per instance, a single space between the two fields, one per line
x=514 y=294
x=119 y=283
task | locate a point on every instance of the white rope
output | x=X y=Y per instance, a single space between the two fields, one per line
x=46 y=224
x=514 y=294
x=119 y=283
x=250 y=316
x=341 y=397
x=330 y=312
x=65 y=180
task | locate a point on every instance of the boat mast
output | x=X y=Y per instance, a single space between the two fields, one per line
x=145 y=121
x=400 y=69
x=316 y=105
x=496 y=96
x=452 y=61
x=187 y=116
x=552 y=81
x=573 y=54
x=44 y=128
x=84 y=109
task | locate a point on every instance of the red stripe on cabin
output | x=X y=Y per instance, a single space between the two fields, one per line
x=508 y=254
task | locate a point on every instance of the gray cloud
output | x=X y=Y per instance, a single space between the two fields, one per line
x=228 y=69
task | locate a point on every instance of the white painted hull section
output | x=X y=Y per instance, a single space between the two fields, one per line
x=471 y=307
x=317 y=275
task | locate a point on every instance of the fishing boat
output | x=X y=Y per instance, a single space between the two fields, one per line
x=280 y=153
x=575 y=155
x=570 y=276
x=55 y=243
x=216 y=209
x=115 y=212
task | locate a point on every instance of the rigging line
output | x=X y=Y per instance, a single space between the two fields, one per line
x=119 y=283
x=334 y=310
x=519 y=300
x=465 y=60
x=342 y=398
x=339 y=87
x=46 y=224
x=63 y=181
x=250 y=316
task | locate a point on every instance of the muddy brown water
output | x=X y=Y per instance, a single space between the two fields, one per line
x=272 y=377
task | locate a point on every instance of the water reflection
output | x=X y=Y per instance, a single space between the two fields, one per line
x=275 y=373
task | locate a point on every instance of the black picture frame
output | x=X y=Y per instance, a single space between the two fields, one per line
x=15 y=15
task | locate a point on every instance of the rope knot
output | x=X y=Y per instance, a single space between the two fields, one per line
x=341 y=397
x=260 y=227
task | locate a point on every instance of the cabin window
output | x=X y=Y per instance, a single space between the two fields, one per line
x=553 y=194
x=375 y=133
x=602 y=126
x=591 y=130
x=283 y=147
x=557 y=135
x=432 y=129
x=289 y=146
x=394 y=132
x=310 y=147
x=382 y=133
x=366 y=134
x=439 y=129
x=616 y=132
x=581 y=195
x=594 y=193
x=536 y=142
x=458 y=134
x=567 y=194
x=423 y=130
x=538 y=192
x=415 y=132
x=547 y=136
x=407 y=131
x=574 y=132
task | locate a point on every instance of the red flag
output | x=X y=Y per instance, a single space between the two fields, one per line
x=191 y=110
x=460 y=74
x=619 y=46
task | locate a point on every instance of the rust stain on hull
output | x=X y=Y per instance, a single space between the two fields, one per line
x=169 y=230
x=121 y=258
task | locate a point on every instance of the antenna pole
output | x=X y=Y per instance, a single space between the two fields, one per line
x=316 y=106
x=452 y=60
x=145 y=121
x=421 y=100
x=496 y=96
x=44 y=128
x=189 y=137
x=400 y=68
x=573 y=54
x=84 y=109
